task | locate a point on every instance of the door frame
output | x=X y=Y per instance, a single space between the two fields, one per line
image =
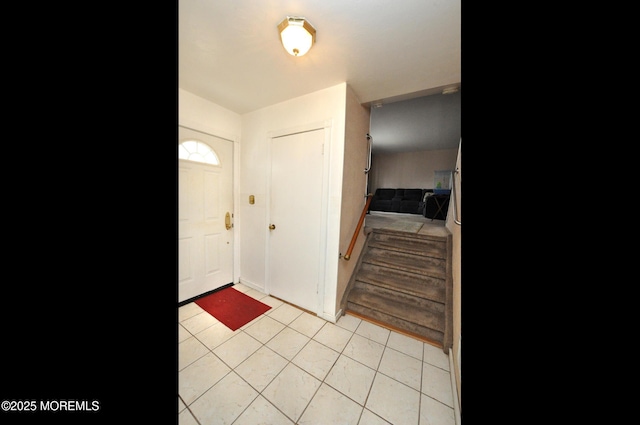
x=235 y=177
x=322 y=260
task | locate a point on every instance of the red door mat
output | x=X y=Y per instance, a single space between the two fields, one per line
x=231 y=307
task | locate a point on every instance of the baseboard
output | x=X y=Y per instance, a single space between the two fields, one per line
x=251 y=285
x=395 y=329
x=454 y=388
x=332 y=318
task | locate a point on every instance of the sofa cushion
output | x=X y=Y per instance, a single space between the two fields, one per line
x=399 y=200
x=385 y=194
x=412 y=195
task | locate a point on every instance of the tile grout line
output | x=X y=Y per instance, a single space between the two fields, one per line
x=278 y=374
x=340 y=353
x=298 y=367
x=376 y=370
x=322 y=381
x=420 y=390
x=233 y=369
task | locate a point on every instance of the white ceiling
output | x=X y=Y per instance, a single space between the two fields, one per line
x=229 y=51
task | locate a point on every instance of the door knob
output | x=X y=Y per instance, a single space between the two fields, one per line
x=227 y=221
x=272 y=226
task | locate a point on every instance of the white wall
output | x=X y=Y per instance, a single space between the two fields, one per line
x=410 y=170
x=251 y=163
x=201 y=114
x=326 y=105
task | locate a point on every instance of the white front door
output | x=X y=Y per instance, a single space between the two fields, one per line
x=205 y=196
x=295 y=217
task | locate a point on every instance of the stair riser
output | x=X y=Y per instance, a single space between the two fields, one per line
x=430 y=316
x=401 y=281
x=423 y=331
x=410 y=283
x=386 y=234
x=428 y=248
x=422 y=303
x=416 y=264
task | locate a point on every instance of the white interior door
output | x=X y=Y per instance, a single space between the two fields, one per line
x=296 y=215
x=205 y=196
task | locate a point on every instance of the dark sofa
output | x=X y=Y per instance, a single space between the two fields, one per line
x=399 y=200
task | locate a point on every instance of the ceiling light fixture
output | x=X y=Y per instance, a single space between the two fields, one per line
x=297 y=35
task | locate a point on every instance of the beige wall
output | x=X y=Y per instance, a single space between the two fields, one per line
x=409 y=170
x=353 y=187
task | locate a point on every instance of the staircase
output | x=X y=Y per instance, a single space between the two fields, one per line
x=403 y=280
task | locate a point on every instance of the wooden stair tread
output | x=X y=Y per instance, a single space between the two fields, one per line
x=406 y=262
x=427 y=248
x=434 y=342
x=415 y=284
x=401 y=280
x=428 y=317
x=397 y=323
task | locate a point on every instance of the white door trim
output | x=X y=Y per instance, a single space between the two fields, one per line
x=215 y=132
x=235 y=185
x=236 y=188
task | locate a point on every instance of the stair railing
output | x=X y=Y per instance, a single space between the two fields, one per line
x=368 y=167
x=455 y=202
x=370 y=150
x=347 y=256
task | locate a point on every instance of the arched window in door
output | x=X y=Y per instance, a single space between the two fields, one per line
x=194 y=150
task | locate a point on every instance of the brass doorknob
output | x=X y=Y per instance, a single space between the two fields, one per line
x=272 y=226
x=227 y=221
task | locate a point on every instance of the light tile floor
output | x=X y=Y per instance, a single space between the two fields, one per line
x=290 y=367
